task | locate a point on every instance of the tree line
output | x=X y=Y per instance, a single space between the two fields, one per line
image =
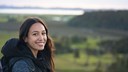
x=102 y=19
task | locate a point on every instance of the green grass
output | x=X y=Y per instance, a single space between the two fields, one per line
x=90 y=43
x=67 y=62
x=64 y=64
x=4 y=36
x=3 y=19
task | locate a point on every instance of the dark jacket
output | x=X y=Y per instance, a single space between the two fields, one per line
x=14 y=48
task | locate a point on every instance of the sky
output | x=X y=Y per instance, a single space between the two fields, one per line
x=86 y=4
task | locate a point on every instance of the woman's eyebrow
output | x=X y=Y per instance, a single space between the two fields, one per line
x=35 y=31
x=38 y=31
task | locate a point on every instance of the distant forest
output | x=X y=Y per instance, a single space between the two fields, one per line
x=117 y=20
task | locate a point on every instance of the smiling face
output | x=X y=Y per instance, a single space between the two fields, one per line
x=37 y=37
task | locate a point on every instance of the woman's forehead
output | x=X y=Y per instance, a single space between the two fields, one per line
x=37 y=27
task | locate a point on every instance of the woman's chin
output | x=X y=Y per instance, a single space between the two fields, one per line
x=41 y=48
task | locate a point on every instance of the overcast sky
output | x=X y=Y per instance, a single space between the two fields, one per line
x=87 y=4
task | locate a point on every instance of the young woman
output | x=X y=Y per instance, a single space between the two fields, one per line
x=35 y=44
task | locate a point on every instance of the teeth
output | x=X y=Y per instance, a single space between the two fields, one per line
x=40 y=43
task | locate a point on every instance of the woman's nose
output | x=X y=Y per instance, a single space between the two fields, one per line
x=41 y=37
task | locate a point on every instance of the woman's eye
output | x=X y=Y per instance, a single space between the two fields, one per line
x=35 y=34
x=43 y=33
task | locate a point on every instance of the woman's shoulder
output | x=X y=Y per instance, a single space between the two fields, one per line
x=20 y=66
x=23 y=65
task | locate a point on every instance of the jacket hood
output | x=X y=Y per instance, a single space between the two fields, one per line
x=15 y=48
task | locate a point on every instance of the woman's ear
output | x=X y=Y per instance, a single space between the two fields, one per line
x=25 y=39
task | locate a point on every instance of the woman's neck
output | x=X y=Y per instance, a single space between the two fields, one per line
x=34 y=51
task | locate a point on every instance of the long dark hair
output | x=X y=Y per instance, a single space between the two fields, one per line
x=49 y=47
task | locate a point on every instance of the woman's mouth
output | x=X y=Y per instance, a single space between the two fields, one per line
x=40 y=43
